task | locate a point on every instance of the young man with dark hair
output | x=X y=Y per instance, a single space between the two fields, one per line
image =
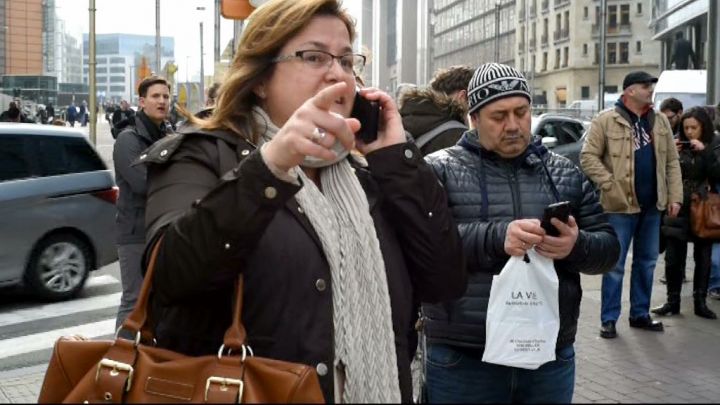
x=673 y=109
x=436 y=116
x=149 y=125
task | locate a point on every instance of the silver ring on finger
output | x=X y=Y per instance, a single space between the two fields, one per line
x=318 y=135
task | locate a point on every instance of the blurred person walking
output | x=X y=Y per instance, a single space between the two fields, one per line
x=72 y=114
x=630 y=154
x=699 y=154
x=331 y=245
x=121 y=118
x=673 y=110
x=147 y=127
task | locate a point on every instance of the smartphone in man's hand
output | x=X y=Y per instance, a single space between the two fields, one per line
x=560 y=211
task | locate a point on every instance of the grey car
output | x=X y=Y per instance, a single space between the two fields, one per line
x=562 y=134
x=57 y=210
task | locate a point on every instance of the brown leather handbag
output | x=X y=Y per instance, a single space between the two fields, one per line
x=122 y=370
x=705 y=214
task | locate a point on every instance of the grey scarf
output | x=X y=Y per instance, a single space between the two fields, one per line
x=365 y=360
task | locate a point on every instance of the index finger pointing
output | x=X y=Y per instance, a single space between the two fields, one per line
x=327 y=96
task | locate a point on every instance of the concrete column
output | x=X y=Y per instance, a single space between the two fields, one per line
x=713 y=59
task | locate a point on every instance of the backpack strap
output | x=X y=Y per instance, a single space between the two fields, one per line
x=425 y=138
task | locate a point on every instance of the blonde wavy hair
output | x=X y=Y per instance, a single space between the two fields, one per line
x=269 y=28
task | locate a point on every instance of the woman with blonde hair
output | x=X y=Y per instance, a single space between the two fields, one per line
x=332 y=246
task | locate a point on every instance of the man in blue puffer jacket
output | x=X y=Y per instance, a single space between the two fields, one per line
x=498 y=185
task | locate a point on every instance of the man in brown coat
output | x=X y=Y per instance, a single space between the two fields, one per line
x=630 y=154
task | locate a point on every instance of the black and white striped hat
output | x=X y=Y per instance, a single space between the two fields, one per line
x=493 y=81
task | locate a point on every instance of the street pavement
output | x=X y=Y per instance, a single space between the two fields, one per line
x=678 y=365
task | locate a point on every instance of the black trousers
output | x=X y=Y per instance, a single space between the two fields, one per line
x=675 y=261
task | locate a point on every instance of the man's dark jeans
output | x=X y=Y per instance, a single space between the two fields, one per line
x=458 y=375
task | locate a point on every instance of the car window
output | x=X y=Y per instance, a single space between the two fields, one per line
x=14 y=163
x=63 y=155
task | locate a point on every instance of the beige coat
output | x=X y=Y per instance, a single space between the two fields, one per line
x=608 y=159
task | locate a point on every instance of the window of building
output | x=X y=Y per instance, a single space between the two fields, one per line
x=639 y=8
x=585 y=49
x=611 y=53
x=557 y=58
x=566 y=56
x=117 y=69
x=612 y=16
x=611 y=89
x=117 y=79
x=120 y=89
x=585 y=92
x=101 y=70
x=544 y=62
x=596 y=60
x=638 y=47
x=117 y=60
x=624 y=52
x=566 y=26
x=586 y=14
x=532 y=60
x=558 y=24
x=101 y=79
x=624 y=14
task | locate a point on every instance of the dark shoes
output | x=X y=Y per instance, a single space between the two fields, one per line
x=702 y=310
x=668 y=308
x=647 y=323
x=607 y=330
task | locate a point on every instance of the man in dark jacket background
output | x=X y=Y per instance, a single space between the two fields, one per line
x=435 y=116
x=498 y=185
x=149 y=126
x=121 y=118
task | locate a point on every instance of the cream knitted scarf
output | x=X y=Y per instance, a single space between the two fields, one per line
x=365 y=359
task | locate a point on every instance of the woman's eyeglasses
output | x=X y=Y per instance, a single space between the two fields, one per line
x=351 y=63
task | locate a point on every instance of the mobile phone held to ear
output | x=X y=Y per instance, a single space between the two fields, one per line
x=560 y=211
x=368 y=113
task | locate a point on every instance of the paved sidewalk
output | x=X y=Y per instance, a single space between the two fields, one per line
x=679 y=365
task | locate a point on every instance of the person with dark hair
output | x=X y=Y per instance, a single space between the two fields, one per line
x=332 y=235
x=629 y=153
x=436 y=116
x=121 y=118
x=683 y=54
x=72 y=114
x=50 y=113
x=147 y=127
x=673 y=109
x=499 y=183
x=699 y=151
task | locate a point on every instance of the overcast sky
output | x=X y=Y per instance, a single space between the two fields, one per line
x=178 y=19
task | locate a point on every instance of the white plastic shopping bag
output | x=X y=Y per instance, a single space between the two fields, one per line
x=523 y=316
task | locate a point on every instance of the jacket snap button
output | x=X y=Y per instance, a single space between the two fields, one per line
x=270 y=193
x=245 y=152
x=320 y=284
x=163 y=153
x=430 y=214
x=408 y=153
x=321 y=369
x=227 y=246
x=300 y=210
x=143 y=156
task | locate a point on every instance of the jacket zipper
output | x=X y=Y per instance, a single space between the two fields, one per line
x=517 y=207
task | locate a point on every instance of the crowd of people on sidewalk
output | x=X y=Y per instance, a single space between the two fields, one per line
x=347 y=246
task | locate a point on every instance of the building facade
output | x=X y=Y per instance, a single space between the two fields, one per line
x=68 y=56
x=558 y=47
x=118 y=57
x=26 y=40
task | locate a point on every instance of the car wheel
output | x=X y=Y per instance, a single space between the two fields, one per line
x=58 y=267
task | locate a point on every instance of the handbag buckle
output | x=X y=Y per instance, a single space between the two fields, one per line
x=115 y=366
x=224 y=383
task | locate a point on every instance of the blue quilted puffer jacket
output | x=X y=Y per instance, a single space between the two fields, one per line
x=486 y=193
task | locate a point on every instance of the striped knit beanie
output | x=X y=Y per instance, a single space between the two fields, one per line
x=493 y=81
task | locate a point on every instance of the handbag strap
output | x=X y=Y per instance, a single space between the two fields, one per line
x=136 y=322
